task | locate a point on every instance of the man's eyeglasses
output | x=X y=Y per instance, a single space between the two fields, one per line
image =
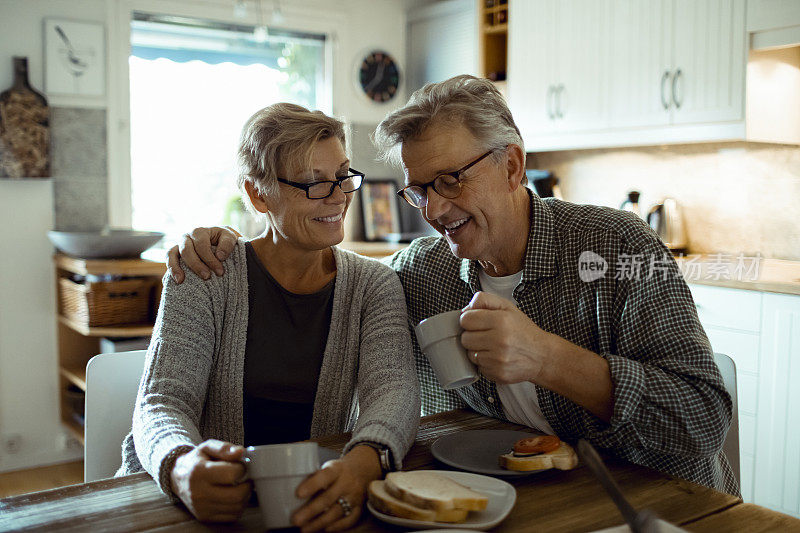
x=446 y=185
x=322 y=189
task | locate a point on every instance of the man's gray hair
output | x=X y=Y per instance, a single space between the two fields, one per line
x=472 y=102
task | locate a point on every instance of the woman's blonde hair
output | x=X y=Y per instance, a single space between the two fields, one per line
x=277 y=141
x=472 y=102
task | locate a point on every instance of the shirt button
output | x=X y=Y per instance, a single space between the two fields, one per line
x=490 y=399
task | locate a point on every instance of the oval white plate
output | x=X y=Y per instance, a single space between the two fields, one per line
x=502 y=497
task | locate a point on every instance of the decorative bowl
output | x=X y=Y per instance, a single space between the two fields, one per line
x=106 y=244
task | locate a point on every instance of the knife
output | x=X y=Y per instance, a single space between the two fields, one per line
x=643 y=521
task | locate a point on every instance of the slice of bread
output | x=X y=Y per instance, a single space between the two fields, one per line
x=388 y=504
x=564 y=458
x=429 y=490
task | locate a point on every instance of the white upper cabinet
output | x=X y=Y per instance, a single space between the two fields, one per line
x=581 y=82
x=531 y=66
x=585 y=74
x=709 y=60
x=640 y=63
x=556 y=63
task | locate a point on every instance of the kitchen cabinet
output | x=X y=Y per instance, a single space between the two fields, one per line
x=760 y=331
x=766 y=15
x=587 y=74
x=640 y=63
x=78 y=342
x=777 y=464
x=732 y=321
x=677 y=62
x=556 y=63
x=710 y=54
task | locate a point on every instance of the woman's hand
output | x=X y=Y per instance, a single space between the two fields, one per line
x=196 y=251
x=207 y=481
x=346 y=478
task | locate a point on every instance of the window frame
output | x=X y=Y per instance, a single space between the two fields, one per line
x=118 y=19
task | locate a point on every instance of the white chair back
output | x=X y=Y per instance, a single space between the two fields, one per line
x=731 y=445
x=112 y=381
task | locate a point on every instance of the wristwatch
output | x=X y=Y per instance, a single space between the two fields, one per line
x=384 y=454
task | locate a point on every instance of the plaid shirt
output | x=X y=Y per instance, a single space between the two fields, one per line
x=671 y=410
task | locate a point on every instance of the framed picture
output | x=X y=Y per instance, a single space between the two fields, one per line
x=379 y=205
x=74 y=58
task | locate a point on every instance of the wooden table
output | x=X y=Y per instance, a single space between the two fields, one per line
x=549 y=501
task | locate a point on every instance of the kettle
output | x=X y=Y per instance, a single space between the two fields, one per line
x=665 y=218
x=632 y=203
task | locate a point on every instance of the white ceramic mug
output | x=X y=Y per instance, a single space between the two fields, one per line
x=276 y=471
x=439 y=339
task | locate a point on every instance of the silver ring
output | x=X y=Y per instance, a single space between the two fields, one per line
x=345 y=505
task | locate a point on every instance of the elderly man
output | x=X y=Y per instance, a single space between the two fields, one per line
x=566 y=342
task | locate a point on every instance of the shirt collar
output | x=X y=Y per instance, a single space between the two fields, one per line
x=540 y=256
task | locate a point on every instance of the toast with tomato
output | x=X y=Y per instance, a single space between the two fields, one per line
x=539 y=453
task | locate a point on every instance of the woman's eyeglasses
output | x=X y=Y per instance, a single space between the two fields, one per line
x=446 y=185
x=322 y=189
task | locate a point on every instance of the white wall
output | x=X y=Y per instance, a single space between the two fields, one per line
x=21 y=34
x=28 y=361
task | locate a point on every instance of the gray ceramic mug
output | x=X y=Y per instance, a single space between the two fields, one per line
x=276 y=471
x=439 y=339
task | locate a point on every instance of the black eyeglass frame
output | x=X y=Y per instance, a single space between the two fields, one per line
x=456 y=174
x=307 y=186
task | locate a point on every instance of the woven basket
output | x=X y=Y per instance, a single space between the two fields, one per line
x=106 y=303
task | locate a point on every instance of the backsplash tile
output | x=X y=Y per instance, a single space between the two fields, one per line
x=79 y=168
x=735 y=197
x=78 y=144
x=80 y=204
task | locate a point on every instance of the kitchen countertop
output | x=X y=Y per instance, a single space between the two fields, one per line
x=741 y=272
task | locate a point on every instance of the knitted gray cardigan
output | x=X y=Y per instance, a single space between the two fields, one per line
x=192 y=386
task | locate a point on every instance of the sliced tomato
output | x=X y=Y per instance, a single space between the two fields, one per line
x=534 y=445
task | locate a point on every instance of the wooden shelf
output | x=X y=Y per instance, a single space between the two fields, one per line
x=77 y=342
x=495 y=9
x=496 y=28
x=76 y=376
x=99 y=267
x=493 y=39
x=73 y=427
x=139 y=330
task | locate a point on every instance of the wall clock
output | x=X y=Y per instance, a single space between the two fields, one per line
x=379 y=76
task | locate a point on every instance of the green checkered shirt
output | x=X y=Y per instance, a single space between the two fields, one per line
x=671 y=410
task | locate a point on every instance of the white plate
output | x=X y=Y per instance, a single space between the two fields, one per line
x=502 y=497
x=478 y=450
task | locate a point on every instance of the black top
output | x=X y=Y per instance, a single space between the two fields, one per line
x=286 y=338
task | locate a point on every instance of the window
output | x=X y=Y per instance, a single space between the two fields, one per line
x=193 y=85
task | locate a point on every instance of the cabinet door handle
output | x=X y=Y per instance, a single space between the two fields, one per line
x=548 y=100
x=664 y=101
x=678 y=103
x=560 y=110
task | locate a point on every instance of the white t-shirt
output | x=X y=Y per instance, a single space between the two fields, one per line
x=520 y=402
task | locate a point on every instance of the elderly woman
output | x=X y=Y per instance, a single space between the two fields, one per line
x=299 y=339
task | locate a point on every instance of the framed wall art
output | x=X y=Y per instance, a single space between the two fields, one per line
x=379 y=205
x=74 y=57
